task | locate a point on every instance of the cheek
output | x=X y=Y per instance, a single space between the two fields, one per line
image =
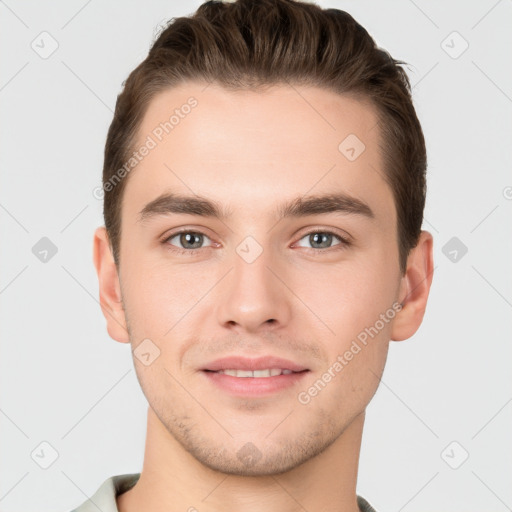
x=349 y=380
x=351 y=296
x=356 y=355
x=158 y=295
x=364 y=327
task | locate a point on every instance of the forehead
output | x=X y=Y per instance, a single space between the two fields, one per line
x=253 y=149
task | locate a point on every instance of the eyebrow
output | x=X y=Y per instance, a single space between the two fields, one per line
x=299 y=207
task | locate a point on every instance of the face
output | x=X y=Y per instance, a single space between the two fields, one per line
x=260 y=268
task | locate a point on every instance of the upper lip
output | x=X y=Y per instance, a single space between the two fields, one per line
x=246 y=363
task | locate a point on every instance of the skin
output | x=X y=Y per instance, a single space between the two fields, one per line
x=252 y=151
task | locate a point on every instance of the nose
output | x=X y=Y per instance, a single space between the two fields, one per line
x=254 y=296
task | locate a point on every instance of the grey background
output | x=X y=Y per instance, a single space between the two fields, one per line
x=66 y=383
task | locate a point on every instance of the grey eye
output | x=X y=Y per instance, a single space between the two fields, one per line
x=188 y=239
x=321 y=239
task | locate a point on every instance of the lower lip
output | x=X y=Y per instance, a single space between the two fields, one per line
x=254 y=386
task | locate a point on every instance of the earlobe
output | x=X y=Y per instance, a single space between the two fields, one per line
x=414 y=289
x=109 y=287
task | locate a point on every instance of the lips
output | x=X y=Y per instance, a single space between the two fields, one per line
x=254 y=377
x=260 y=364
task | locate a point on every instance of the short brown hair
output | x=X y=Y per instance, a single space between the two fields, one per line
x=249 y=44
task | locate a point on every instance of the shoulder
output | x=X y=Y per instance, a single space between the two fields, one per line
x=363 y=505
x=104 y=498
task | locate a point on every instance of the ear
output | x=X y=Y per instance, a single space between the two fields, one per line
x=414 y=289
x=109 y=287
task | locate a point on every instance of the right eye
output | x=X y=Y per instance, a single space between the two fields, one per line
x=189 y=240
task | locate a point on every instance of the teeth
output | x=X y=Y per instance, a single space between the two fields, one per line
x=273 y=372
x=263 y=373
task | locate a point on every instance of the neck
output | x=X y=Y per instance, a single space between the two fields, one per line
x=173 y=480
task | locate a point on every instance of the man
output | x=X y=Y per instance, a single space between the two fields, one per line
x=264 y=185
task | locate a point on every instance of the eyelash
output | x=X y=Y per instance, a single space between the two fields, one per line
x=344 y=242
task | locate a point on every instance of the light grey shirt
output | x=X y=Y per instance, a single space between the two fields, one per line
x=104 y=498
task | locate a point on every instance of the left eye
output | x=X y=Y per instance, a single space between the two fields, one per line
x=322 y=239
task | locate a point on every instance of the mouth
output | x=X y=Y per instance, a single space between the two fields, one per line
x=241 y=376
x=269 y=372
x=264 y=363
